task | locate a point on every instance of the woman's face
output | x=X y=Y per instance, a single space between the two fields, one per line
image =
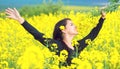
x=71 y=28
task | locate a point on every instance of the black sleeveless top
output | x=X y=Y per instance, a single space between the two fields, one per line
x=61 y=45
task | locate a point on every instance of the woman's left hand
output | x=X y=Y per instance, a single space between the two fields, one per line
x=103 y=14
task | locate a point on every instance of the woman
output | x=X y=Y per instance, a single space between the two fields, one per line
x=62 y=37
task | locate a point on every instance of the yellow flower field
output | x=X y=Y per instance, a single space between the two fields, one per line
x=19 y=50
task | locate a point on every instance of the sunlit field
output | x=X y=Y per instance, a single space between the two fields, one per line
x=19 y=49
x=78 y=8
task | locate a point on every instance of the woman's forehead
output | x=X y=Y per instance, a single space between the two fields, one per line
x=69 y=22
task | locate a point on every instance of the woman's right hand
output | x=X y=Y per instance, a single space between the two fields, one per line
x=14 y=14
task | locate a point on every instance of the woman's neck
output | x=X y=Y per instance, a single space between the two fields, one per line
x=68 y=41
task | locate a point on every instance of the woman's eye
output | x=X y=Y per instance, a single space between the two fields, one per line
x=71 y=24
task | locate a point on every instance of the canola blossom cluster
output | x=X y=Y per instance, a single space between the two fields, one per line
x=19 y=50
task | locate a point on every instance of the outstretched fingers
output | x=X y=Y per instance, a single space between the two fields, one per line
x=16 y=11
x=9 y=16
x=9 y=10
x=14 y=14
x=10 y=13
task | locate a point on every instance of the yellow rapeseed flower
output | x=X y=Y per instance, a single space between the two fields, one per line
x=4 y=64
x=63 y=55
x=99 y=65
x=62 y=27
x=74 y=42
x=88 y=41
x=54 y=45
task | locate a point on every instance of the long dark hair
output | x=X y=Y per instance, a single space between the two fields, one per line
x=57 y=33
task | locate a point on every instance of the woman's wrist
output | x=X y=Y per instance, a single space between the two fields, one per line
x=103 y=17
x=21 y=20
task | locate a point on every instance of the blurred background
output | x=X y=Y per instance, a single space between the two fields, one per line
x=20 y=3
x=53 y=6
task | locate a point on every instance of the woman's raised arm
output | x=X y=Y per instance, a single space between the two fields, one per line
x=14 y=14
x=93 y=34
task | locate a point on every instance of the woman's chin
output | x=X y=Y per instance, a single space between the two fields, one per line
x=76 y=33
